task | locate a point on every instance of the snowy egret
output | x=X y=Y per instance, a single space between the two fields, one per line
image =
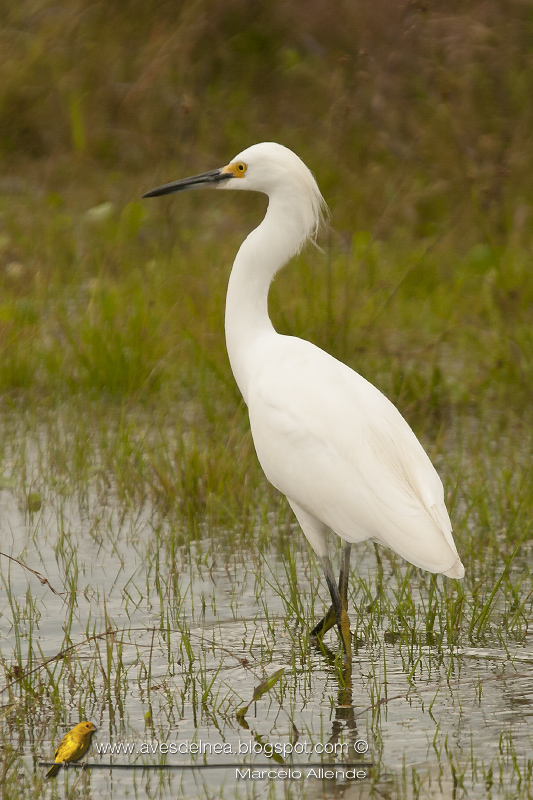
x=328 y=439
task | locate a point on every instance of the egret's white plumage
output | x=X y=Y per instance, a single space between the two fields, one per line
x=325 y=437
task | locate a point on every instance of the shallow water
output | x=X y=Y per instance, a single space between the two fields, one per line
x=193 y=629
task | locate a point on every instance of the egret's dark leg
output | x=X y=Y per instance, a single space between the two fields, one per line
x=338 y=606
x=344 y=576
x=330 y=619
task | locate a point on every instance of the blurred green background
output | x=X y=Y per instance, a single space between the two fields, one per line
x=411 y=114
x=415 y=117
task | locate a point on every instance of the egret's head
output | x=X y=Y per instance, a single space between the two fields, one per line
x=267 y=167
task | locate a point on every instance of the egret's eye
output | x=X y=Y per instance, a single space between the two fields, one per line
x=237 y=169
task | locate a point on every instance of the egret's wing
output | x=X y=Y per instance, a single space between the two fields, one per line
x=338 y=448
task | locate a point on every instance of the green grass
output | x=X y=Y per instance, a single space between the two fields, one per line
x=130 y=477
x=202 y=598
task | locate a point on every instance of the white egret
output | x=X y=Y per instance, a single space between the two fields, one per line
x=325 y=437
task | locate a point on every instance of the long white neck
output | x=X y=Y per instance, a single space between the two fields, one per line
x=261 y=255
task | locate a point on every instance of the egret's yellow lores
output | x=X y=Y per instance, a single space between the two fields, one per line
x=72 y=746
x=325 y=437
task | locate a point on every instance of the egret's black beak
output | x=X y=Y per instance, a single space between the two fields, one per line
x=205 y=179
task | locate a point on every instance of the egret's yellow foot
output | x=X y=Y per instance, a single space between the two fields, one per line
x=346 y=637
x=326 y=623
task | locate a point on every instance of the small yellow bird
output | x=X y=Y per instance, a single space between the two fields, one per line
x=72 y=746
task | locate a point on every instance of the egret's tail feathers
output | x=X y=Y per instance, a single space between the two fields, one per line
x=457 y=571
